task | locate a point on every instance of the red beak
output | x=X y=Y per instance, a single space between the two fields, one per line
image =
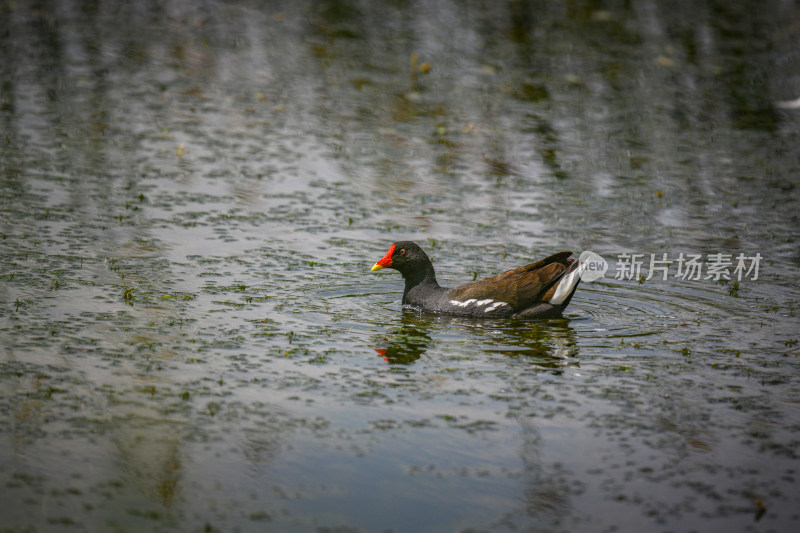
x=386 y=261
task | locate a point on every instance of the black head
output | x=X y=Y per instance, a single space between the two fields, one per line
x=405 y=257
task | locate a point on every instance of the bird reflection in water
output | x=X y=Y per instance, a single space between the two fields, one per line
x=549 y=344
x=405 y=344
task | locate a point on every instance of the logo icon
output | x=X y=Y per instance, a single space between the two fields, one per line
x=592 y=266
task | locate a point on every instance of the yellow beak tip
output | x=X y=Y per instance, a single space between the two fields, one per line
x=376 y=267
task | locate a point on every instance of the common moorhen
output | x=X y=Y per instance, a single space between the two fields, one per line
x=540 y=289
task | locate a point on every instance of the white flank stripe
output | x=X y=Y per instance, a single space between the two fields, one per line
x=494 y=306
x=484 y=302
x=565 y=287
x=462 y=304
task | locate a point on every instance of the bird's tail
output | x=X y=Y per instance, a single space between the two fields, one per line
x=567 y=284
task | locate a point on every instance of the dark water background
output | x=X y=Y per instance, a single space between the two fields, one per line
x=191 y=197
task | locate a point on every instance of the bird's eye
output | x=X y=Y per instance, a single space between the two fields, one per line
x=403 y=251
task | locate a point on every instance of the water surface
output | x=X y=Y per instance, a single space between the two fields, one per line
x=191 y=199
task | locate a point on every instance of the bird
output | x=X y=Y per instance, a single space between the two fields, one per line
x=538 y=290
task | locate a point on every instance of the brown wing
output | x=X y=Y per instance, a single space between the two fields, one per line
x=520 y=287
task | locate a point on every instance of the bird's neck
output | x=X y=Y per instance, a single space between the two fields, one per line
x=419 y=278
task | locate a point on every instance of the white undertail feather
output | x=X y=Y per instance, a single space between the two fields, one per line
x=565 y=286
